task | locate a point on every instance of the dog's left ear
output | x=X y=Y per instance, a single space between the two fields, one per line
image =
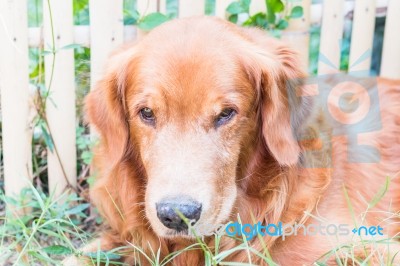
x=276 y=73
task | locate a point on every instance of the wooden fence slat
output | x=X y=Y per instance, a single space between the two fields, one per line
x=298 y=35
x=14 y=84
x=188 y=8
x=81 y=35
x=163 y=6
x=391 y=45
x=257 y=6
x=331 y=36
x=81 y=32
x=106 y=33
x=61 y=102
x=362 y=35
x=220 y=7
x=147 y=6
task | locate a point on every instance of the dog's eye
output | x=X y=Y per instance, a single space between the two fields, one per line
x=226 y=115
x=147 y=115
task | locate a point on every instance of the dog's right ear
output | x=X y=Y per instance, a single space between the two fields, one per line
x=105 y=106
x=276 y=73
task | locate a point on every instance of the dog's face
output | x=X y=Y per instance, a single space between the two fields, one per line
x=190 y=115
x=190 y=108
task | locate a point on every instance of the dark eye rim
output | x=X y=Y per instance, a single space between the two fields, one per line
x=147 y=119
x=225 y=116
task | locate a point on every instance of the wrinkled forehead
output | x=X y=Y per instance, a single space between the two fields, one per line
x=191 y=79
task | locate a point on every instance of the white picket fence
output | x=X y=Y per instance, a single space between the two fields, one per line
x=106 y=31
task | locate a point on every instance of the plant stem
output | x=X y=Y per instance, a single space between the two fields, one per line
x=43 y=98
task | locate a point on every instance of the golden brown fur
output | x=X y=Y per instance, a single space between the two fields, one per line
x=187 y=70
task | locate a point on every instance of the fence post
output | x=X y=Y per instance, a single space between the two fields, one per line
x=61 y=101
x=188 y=8
x=298 y=32
x=147 y=6
x=391 y=45
x=362 y=35
x=220 y=7
x=162 y=8
x=106 y=33
x=331 y=36
x=14 y=85
x=257 y=6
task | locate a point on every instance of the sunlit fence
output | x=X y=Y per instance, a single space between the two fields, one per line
x=106 y=31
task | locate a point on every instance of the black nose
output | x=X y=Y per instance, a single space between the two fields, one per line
x=168 y=212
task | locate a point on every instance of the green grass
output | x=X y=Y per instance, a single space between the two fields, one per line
x=38 y=229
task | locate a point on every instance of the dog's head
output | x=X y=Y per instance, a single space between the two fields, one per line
x=190 y=103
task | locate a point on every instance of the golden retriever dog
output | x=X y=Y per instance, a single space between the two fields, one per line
x=208 y=121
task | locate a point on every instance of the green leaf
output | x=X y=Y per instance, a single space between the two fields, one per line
x=71 y=46
x=282 y=24
x=87 y=157
x=99 y=220
x=103 y=255
x=41 y=258
x=273 y=7
x=91 y=180
x=234 y=8
x=245 y=5
x=131 y=18
x=257 y=20
x=297 y=12
x=47 y=52
x=57 y=250
x=233 y=18
x=278 y=6
x=36 y=71
x=10 y=200
x=379 y=195
x=151 y=21
x=47 y=138
x=275 y=33
x=81 y=12
x=241 y=6
x=77 y=209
